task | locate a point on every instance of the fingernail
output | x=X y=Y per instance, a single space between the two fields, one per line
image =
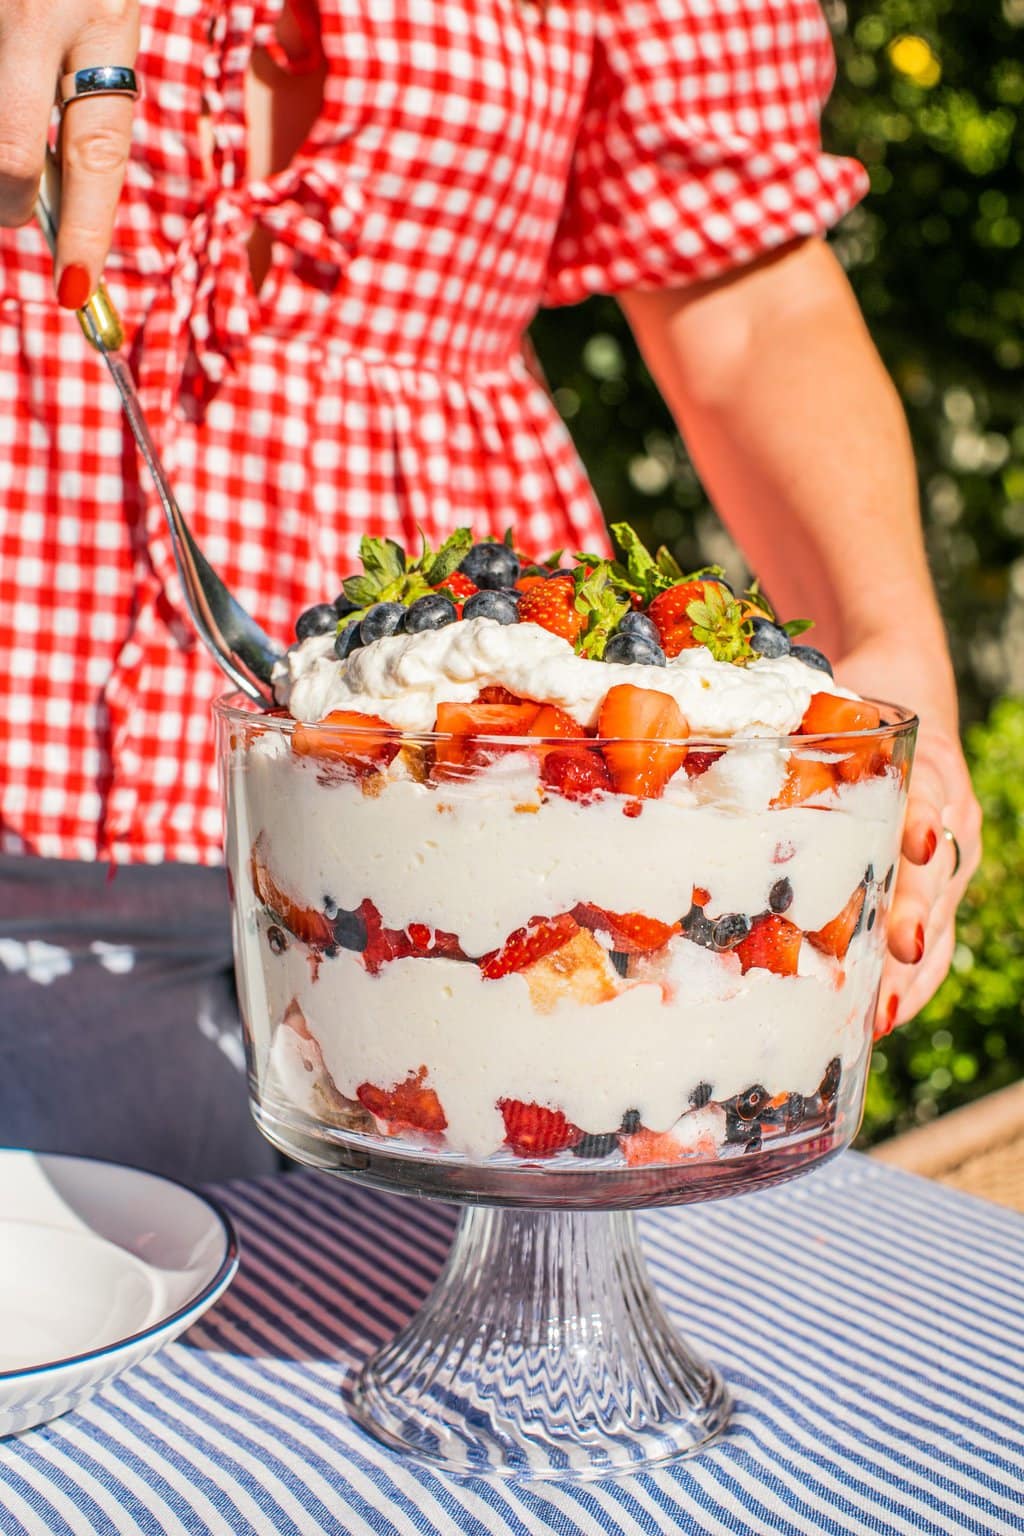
x=74 y=288
x=931 y=842
x=919 y=944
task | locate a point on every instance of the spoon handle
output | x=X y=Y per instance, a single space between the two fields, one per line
x=236 y=642
x=100 y=321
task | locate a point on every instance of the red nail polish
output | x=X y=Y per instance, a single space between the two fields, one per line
x=919 y=944
x=74 y=288
x=931 y=842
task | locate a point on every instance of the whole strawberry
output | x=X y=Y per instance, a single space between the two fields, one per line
x=552 y=605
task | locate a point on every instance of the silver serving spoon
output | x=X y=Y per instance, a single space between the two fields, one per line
x=235 y=641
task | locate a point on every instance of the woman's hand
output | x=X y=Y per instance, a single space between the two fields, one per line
x=929 y=886
x=800 y=439
x=40 y=42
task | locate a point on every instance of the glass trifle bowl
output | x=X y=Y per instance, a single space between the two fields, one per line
x=473 y=966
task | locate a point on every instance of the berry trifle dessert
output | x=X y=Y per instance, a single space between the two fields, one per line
x=559 y=866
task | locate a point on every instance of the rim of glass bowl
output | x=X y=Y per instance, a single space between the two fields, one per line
x=237 y=708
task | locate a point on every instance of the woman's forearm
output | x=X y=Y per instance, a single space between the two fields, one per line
x=800 y=439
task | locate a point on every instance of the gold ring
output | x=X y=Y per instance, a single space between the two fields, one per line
x=950 y=837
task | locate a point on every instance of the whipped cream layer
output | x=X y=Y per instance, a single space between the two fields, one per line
x=482 y=857
x=482 y=1041
x=403 y=678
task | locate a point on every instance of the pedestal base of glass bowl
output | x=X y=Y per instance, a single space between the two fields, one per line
x=542 y=1352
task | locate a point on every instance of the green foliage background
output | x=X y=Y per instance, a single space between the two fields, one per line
x=930 y=96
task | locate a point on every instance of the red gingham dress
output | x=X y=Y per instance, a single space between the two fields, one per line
x=473 y=160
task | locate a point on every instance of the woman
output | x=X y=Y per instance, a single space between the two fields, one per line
x=337 y=222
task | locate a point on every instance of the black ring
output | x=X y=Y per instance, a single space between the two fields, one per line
x=950 y=837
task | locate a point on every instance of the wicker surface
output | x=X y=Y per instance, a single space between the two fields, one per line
x=979 y=1149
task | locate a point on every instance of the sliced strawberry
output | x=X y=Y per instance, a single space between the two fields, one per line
x=556 y=724
x=459 y=725
x=407 y=1104
x=381 y=945
x=827 y=712
x=363 y=743
x=700 y=897
x=540 y=937
x=643 y=739
x=805 y=777
x=631 y=932
x=533 y=1130
x=773 y=944
x=552 y=605
x=857 y=760
x=645 y=1146
x=306 y=923
x=495 y=694
x=575 y=773
x=433 y=942
x=418 y=940
x=699 y=762
x=668 y=612
x=834 y=938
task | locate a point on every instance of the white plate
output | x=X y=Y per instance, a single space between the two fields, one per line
x=100 y=1265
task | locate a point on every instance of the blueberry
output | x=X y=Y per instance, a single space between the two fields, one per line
x=750 y=1104
x=737 y=1130
x=491 y=565
x=596 y=1145
x=812 y=658
x=698 y=928
x=795 y=1111
x=620 y=959
x=633 y=650
x=431 y=612
x=753 y=1143
x=500 y=606
x=382 y=619
x=630 y=1122
x=768 y=639
x=318 y=620
x=700 y=1096
x=780 y=897
x=344 y=605
x=829 y=1085
x=350 y=931
x=730 y=930
x=634 y=623
x=348 y=641
x=277 y=939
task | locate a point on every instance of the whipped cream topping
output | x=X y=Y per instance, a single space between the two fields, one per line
x=403 y=679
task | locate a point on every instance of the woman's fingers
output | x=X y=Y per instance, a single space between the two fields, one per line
x=922 y=923
x=95 y=142
x=928 y=797
x=28 y=75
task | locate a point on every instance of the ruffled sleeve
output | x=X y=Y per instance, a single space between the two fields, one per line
x=699 y=147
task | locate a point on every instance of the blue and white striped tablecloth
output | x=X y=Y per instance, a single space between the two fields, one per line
x=871 y=1326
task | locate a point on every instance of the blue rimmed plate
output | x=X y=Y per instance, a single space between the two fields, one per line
x=100 y=1266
